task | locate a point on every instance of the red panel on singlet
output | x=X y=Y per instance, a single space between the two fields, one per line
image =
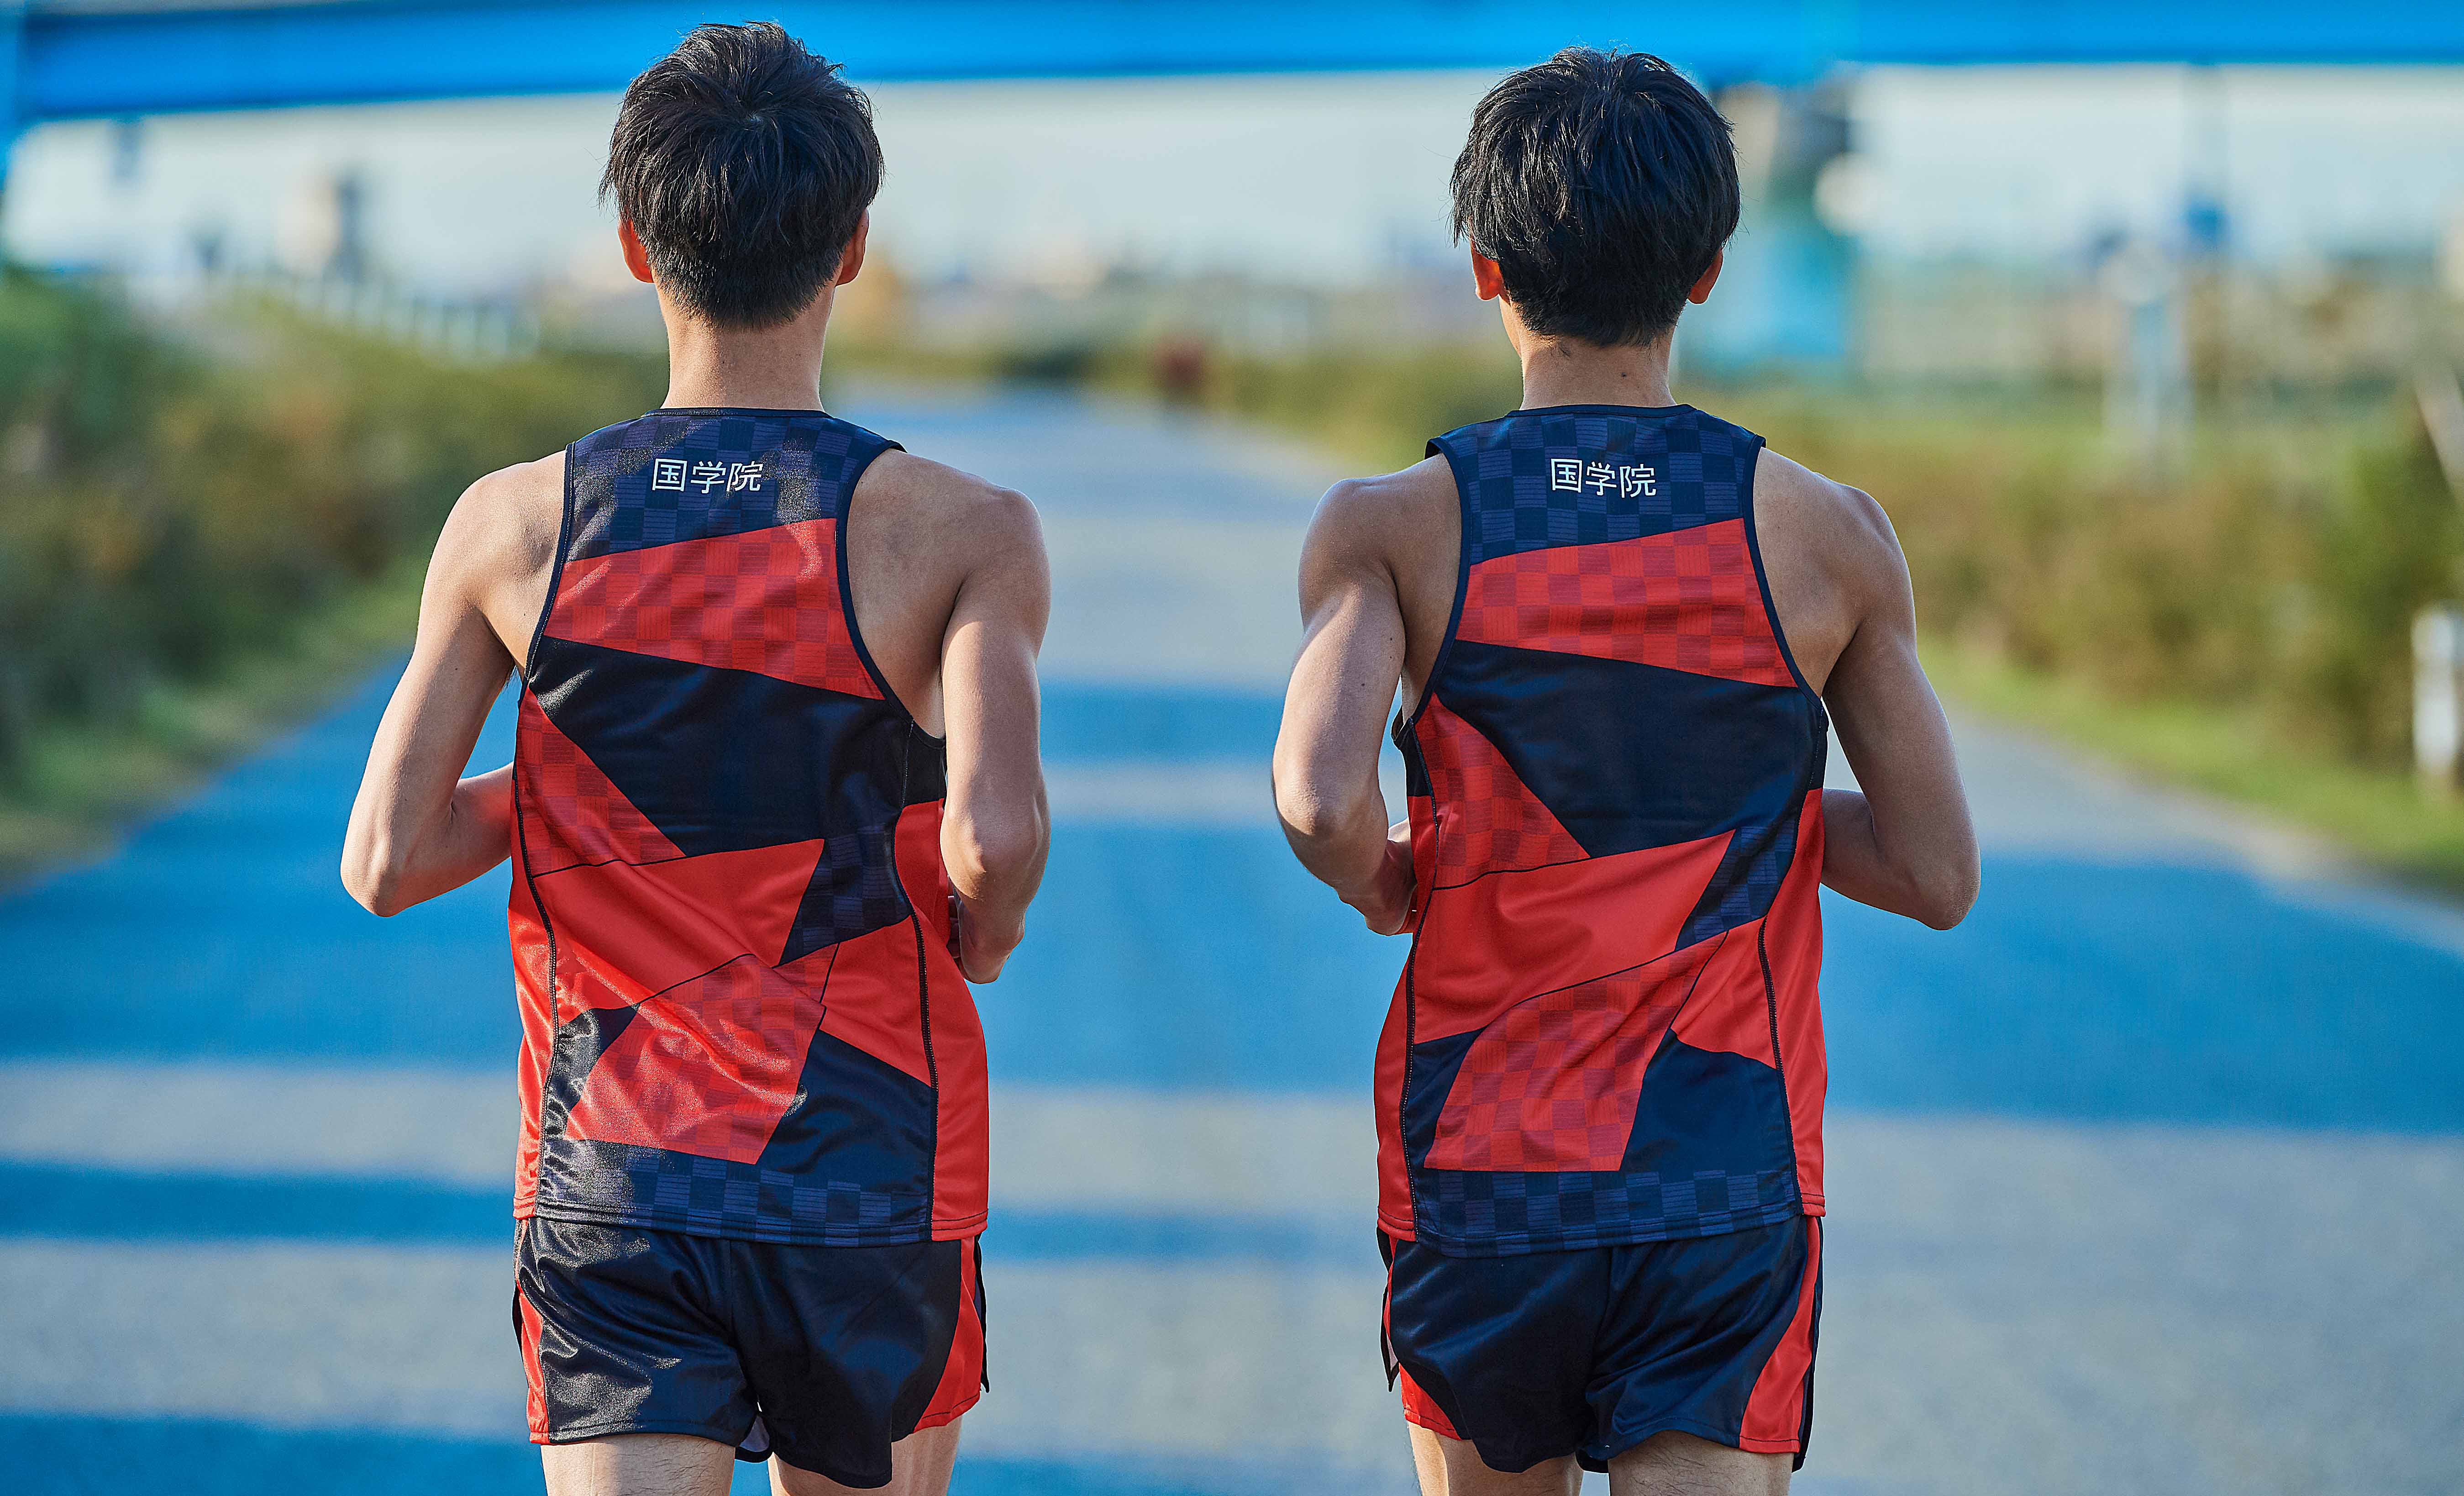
x=1493 y=821
x=627 y=932
x=1729 y=1012
x=577 y=815
x=707 y=1066
x=1793 y=936
x=766 y=601
x=1550 y=928
x=1551 y=1084
x=1685 y=601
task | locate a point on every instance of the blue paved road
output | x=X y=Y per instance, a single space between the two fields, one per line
x=2146 y=1180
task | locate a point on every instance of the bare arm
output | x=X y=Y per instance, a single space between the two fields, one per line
x=1332 y=809
x=1904 y=844
x=995 y=826
x=417 y=829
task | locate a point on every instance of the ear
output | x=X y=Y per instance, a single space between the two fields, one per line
x=1486 y=276
x=637 y=259
x=1709 y=278
x=851 y=259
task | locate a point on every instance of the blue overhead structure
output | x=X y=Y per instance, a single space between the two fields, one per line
x=84 y=59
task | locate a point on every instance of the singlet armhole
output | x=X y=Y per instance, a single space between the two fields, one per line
x=555 y=568
x=1440 y=446
x=1761 y=578
x=847 y=580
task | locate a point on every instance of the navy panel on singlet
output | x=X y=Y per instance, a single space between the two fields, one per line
x=1703 y=466
x=1722 y=753
x=810 y=462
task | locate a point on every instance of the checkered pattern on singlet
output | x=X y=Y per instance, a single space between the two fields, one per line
x=1608 y=772
x=741 y=1014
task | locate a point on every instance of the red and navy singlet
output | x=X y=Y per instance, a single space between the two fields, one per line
x=740 y=1017
x=1607 y=1031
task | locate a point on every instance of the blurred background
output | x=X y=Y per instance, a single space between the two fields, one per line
x=2143 y=321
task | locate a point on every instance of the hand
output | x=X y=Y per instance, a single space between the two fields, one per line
x=1386 y=905
x=981 y=948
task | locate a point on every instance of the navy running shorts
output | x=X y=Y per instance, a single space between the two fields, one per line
x=824 y=1355
x=1591 y=1352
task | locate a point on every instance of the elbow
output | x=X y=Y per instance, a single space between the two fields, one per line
x=1311 y=814
x=1311 y=818
x=375 y=881
x=1943 y=900
x=997 y=851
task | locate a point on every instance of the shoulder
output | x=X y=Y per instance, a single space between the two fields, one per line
x=508 y=520
x=961 y=513
x=1388 y=512
x=1844 y=526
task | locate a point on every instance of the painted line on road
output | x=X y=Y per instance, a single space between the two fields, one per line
x=206 y=1457
x=1097 y=1150
x=112 y=1206
x=1266 y=1361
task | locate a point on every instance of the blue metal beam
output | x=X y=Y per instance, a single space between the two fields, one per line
x=83 y=62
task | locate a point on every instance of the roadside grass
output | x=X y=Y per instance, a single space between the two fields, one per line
x=2239 y=635
x=2381 y=816
x=2235 y=618
x=80 y=784
x=216 y=522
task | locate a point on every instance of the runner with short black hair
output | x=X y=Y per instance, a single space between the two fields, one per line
x=775 y=798
x=1622 y=632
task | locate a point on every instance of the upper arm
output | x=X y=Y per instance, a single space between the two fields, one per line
x=1351 y=651
x=1890 y=724
x=458 y=664
x=988 y=651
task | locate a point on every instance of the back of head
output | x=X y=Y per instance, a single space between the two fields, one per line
x=1604 y=185
x=745 y=163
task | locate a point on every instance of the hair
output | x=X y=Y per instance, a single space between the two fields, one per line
x=1604 y=185
x=745 y=163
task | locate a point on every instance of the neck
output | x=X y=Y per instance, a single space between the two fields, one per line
x=1561 y=371
x=767 y=368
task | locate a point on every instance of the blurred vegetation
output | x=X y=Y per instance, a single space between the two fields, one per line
x=207 y=530
x=2235 y=614
x=212 y=527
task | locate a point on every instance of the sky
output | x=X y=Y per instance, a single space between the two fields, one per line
x=1318 y=180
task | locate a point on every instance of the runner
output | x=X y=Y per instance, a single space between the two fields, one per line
x=1615 y=622
x=775 y=790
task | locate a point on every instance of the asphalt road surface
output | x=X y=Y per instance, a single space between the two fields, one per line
x=2149 y=1178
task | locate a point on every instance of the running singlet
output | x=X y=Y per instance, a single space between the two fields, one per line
x=740 y=1017
x=1607 y=1031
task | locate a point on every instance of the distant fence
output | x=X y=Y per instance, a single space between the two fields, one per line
x=478 y=330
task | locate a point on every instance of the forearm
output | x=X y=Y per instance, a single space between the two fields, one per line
x=390 y=868
x=1860 y=861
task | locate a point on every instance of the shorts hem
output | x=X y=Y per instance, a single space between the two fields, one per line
x=768 y=1236
x=1526 y=1245
x=938 y=1419
x=1627 y=1443
x=581 y=1432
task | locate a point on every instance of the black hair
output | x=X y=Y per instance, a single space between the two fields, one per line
x=1602 y=183
x=745 y=163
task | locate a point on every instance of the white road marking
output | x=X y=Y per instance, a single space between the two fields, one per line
x=2235 y=1310
x=1055 y=1148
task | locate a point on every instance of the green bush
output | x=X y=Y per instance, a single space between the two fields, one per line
x=2273 y=569
x=169 y=513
